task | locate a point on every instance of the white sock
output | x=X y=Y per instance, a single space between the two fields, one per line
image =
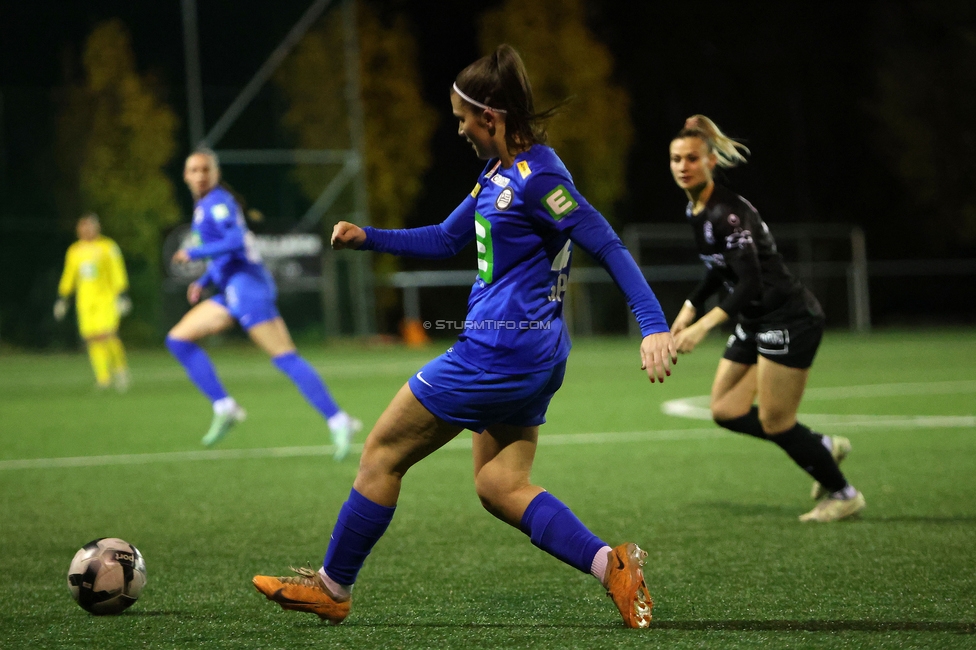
x=224 y=406
x=847 y=493
x=340 y=592
x=827 y=442
x=339 y=420
x=598 y=568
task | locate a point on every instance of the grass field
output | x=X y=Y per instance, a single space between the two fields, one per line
x=729 y=566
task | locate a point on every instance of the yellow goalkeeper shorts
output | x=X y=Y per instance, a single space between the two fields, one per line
x=97 y=318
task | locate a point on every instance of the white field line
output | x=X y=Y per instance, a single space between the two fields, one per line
x=11 y=379
x=696 y=408
x=326 y=450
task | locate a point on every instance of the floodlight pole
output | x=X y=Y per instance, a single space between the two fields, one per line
x=364 y=310
x=352 y=171
x=194 y=85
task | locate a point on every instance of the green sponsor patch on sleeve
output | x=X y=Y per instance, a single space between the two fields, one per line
x=559 y=202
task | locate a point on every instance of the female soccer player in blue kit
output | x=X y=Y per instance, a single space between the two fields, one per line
x=779 y=322
x=498 y=378
x=246 y=295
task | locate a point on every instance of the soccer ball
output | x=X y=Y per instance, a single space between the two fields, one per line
x=107 y=575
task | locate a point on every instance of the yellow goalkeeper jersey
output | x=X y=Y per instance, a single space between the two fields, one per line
x=95 y=271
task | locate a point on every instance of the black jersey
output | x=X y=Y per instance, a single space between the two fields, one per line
x=740 y=253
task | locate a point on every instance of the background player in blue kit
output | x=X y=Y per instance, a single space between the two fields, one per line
x=780 y=323
x=497 y=380
x=247 y=295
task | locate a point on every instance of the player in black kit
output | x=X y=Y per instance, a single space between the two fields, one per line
x=779 y=322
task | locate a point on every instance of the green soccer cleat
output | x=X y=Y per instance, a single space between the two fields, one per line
x=221 y=424
x=839 y=448
x=342 y=437
x=831 y=509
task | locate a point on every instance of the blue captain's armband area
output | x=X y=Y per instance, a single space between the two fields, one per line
x=559 y=202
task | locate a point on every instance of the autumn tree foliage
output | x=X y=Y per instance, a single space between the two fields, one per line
x=594 y=132
x=117 y=137
x=398 y=123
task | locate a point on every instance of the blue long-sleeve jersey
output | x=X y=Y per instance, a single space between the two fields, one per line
x=525 y=220
x=220 y=233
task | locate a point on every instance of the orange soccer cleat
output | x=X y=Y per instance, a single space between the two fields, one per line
x=304 y=592
x=625 y=585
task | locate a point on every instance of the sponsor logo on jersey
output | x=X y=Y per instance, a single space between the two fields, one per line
x=500 y=181
x=738 y=239
x=715 y=259
x=476 y=191
x=504 y=199
x=559 y=202
x=486 y=256
x=523 y=168
x=220 y=212
x=709 y=232
x=773 y=341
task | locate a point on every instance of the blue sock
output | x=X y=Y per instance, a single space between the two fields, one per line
x=308 y=381
x=360 y=525
x=553 y=527
x=198 y=367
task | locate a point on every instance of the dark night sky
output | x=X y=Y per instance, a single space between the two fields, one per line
x=798 y=81
x=787 y=77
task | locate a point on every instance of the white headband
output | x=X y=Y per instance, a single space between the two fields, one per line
x=478 y=104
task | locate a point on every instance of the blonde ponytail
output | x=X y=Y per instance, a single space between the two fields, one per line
x=730 y=153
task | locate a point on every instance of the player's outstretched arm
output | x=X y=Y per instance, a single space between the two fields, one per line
x=658 y=352
x=347 y=235
x=684 y=318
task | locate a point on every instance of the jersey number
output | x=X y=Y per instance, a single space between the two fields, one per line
x=486 y=256
x=561 y=264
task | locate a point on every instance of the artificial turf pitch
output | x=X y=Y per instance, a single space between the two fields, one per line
x=729 y=565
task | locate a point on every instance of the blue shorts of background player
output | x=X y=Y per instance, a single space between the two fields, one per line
x=250 y=297
x=462 y=394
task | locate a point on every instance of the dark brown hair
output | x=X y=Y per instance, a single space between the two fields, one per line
x=499 y=80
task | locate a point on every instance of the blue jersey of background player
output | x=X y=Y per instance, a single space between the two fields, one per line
x=220 y=235
x=499 y=377
x=246 y=294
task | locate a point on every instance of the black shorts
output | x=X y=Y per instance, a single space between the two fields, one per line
x=793 y=344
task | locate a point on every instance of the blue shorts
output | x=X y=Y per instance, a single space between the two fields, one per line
x=250 y=297
x=462 y=394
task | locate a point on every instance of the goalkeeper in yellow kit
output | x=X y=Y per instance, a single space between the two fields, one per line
x=95 y=272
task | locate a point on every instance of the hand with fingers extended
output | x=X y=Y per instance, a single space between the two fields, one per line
x=60 y=309
x=658 y=354
x=182 y=256
x=123 y=303
x=689 y=337
x=347 y=235
x=193 y=293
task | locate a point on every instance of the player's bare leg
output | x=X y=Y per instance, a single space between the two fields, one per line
x=405 y=433
x=503 y=457
x=780 y=392
x=273 y=337
x=206 y=318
